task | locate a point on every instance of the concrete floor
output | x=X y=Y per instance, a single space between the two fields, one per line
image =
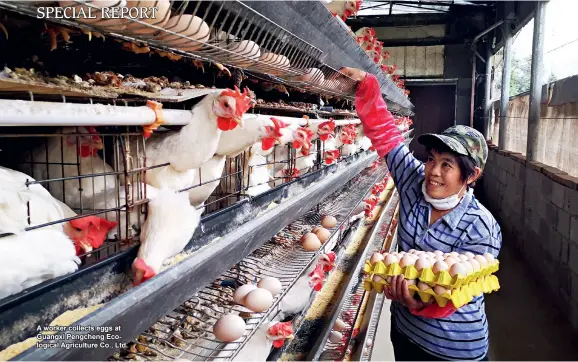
x=523 y=325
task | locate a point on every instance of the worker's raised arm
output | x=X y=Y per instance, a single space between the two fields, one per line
x=379 y=126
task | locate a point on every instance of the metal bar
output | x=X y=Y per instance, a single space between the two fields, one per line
x=142 y=306
x=505 y=96
x=488 y=92
x=537 y=71
x=474 y=52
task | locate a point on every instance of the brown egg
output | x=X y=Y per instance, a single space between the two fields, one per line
x=189 y=26
x=315 y=229
x=229 y=328
x=242 y=291
x=258 y=300
x=406 y=260
x=310 y=242
x=329 y=222
x=410 y=282
x=375 y=258
x=422 y=286
x=323 y=234
x=377 y=278
x=313 y=75
x=439 y=290
x=339 y=325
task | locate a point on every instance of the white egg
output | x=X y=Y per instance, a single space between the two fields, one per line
x=335 y=337
x=469 y=255
x=422 y=263
x=469 y=267
x=313 y=75
x=439 y=266
x=439 y=258
x=490 y=258
x=258 y=300
x=463 y=257
x=450 y=261
x=458 y=269
x=229 y=328
x=390 y=259
x=162 y=15
x=411 y=251
x=242 y=291
x=339 y=325
x=276 y=60
x=410 y=282
x=406 y=260
x=329 y=222
x=273 y=285
x=474 y=264
x=375 y=258
x=187 y=25
x=454 y=254
x=483 y=261
x=439 y=253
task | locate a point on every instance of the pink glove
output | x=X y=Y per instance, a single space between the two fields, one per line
x=378 y=123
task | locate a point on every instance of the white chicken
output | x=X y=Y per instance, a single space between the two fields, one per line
x=299 y=139
x=347 y=138
x=209 y=171
x=259 y=175
x=343 y=9
x=23 y=206
x=32 y=257
x=330 y=149
x=70 y=156
x=170 y=224
x=196 y=143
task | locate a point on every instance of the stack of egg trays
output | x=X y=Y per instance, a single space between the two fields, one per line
x=459 y=290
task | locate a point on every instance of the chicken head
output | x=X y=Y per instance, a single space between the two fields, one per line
x=87 y=144
x=331 y=156
x=274 y=134
x=279 y=332
x=229 y=108
x=325 y=129
x=88 y=233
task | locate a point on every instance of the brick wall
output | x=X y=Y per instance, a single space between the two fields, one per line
x=537 y=208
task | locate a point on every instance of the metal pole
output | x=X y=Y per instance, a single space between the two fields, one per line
x=488 y=95
x=505 y=97
x=536 y=82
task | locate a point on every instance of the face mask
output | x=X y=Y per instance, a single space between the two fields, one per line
x=447 y=203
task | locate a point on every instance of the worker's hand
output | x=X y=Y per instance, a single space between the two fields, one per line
x=399 y=292
x=354 y=73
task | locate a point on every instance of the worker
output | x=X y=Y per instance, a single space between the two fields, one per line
x=438 y=211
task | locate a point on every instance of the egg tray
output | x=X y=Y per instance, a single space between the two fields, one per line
x=427 y=275
x=459 y=297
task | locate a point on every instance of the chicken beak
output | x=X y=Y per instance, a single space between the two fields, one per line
x=291 y=336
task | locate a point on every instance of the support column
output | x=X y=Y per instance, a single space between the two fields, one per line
x=488 y=95
x=536 y=78
x=505 y=96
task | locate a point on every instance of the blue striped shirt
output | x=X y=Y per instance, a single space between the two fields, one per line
x=468 y=227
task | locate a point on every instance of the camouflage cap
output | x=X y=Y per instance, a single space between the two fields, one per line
x=463 y=140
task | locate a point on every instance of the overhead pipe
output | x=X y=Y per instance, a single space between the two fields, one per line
x=537 y=69
x=474 y=55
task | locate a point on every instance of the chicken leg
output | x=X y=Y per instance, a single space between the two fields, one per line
x=222 y=70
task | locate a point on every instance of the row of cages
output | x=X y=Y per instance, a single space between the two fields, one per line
x=224 y=32
x=87 y=178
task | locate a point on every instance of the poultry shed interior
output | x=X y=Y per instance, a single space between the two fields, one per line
x=152 y=167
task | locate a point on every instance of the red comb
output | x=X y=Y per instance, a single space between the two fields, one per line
x=243 y=100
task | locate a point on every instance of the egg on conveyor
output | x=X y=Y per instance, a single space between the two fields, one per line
x=313 y=75
x=329 y=222
x=246 y=53
x=310 y=242
x=339 y=325
x=162 y=15
x=229 y=328
x=458 y=269
x=322 y=234
x=335 y=337
x=273 y=285
x=187 y=25
x=258 y=300
x=276 y=61
x=375 y=258
x=242 y=291
x=406 y=260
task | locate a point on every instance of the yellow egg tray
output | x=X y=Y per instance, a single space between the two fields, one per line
x=427 y=275
x=459 y=297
